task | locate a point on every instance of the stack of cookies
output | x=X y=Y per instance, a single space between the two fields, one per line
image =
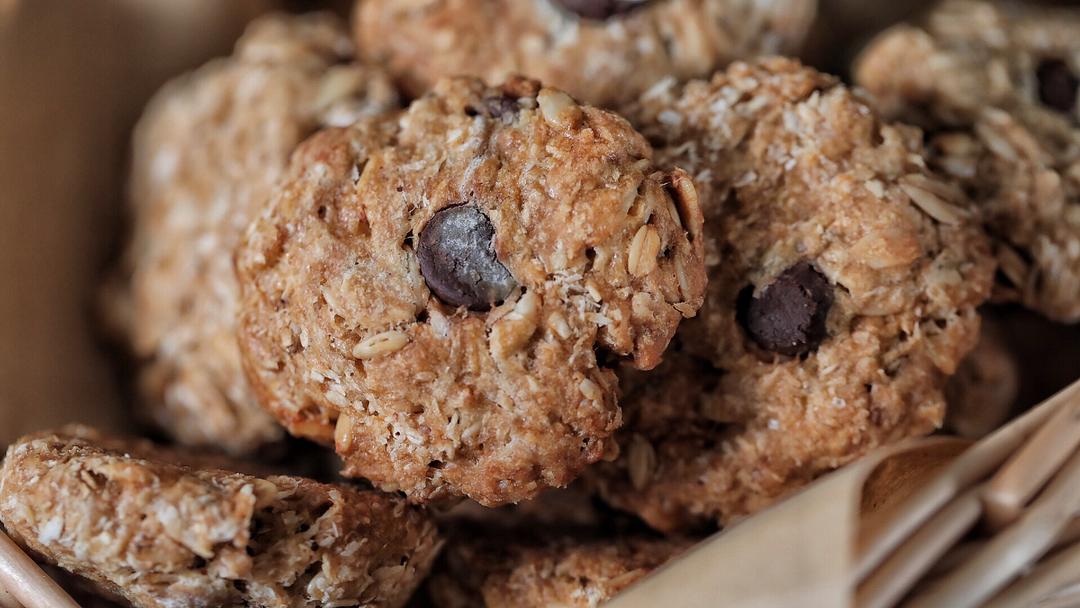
x=565 y=284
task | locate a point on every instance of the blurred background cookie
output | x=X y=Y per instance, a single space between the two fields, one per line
x=996 y=87
x=205 y=157
x=603 y=52
x=564 y=548
x=563 y=570
x=73 y=80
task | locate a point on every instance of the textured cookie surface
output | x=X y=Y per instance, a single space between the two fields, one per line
x=996 y=87
x=843 y=281
x=601 y=51
x=442 y=294
x=561 y=571
x=206 y=154
x=162 y=535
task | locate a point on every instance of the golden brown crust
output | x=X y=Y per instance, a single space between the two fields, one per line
x=795 y=170
x=206 y=154
x=163 y=535
x=986 y=79
x=601 y=62
x=346 y=342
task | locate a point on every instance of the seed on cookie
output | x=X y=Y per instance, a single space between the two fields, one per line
x=641 y=259
x=467 y=298
x=380 y=344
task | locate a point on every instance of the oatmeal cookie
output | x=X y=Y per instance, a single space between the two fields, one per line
x=995 y=85
x=206 y=154
x=442 y=295
x=161 y=534
x=845 y=298
x=570 y=523
x=562 y=570
x=603 y=52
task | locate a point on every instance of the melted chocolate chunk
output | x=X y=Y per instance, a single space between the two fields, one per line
x=600 y=10
x=457 y=258
x=1057 y=85
x=789 y=315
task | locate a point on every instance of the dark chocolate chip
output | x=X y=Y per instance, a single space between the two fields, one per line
x=1057 y=85
x=457 y=258
x=789 y=315
x=600 y=9
x=497 y=107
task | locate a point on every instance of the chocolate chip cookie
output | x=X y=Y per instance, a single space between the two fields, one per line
x=443 y=295
x=161 y=534
x=206 y=155
x=843 y=282
x=603 y=52
x=995 y=85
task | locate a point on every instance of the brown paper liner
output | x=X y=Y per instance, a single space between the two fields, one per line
x=902 y=569
x=7 y=600
x=1031 y=467
x=881 y=532
x=1013 y=549
x=1051 y=576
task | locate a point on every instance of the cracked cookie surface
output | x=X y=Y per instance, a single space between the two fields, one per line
x=844 y=298
x=995 y=85
x=161 y=534
x=439 y=294
x=603 y=52
x=206 y=155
